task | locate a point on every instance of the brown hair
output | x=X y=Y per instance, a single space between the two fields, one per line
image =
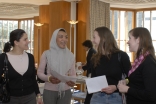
x=107 y=44
x=145 y=43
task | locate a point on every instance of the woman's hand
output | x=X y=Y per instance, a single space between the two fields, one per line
x=122 y=87
x=80 y=67
x=39 y=99
x=110 y=89
x=54 y=80
x=70 y=83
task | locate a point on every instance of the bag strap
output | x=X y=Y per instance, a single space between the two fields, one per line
x=5 y=69
x=121 y=66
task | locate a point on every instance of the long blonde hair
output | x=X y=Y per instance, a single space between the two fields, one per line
x=107 y=44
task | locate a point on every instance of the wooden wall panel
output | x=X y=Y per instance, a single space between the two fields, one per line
x=59 y=15
x=44 y=14
x=44 y=29
x=36 y=20
x=82 y=28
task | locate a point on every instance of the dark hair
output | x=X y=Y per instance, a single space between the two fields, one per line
x=145 y=42
x=63 y=30
x=15 y=35
x=107 y=44
x=88 y=43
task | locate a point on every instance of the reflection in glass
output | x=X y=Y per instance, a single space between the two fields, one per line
x=122 y=25
x=116 y=17
x=147 y=20
x=153 y=25
x=129 y=22
x=130 y=56
x=28 y=26
x=110 y=19
x=139 y=19
x=122 y=45
x=154 y=44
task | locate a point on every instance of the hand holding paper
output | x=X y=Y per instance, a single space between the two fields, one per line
x=63 y=78
x=110 y=89
x=96 y=84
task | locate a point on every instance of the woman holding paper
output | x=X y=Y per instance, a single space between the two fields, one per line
x=141 y=88
x=60 y=60
x=106 y=62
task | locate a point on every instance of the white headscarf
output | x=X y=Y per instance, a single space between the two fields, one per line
x=58 y=59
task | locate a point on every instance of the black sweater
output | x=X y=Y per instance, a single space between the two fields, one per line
x=112 y=68
x=21 y=85
x=142 y=83
x=88 y=58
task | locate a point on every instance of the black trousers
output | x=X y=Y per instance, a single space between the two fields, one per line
x=88 y=98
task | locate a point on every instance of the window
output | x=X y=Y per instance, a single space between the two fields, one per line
x=147 y=19
x=6 y=26
x=121 y=24
x=123 y=20
x=28 y=26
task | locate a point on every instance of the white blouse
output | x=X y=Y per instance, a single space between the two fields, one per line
x=19 y=62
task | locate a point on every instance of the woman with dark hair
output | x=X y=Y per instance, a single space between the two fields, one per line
x=21 y=70
x=141 y=88
x=58 y=58
x=106 y=62
x=88 y=46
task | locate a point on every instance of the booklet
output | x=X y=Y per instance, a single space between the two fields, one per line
x=63 y=78
x=96 y=84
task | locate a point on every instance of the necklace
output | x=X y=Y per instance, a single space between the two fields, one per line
x=21 y=57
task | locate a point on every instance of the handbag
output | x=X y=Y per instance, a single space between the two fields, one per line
x=123 y=77
x=4 y=86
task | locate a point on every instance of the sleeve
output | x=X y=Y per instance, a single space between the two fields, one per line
x=126 y=64
x=93 y=70
x=41 y=68
x=148 y=77
x=87 y=66
x=34 y=78
x=72 y=71
x=1 y=65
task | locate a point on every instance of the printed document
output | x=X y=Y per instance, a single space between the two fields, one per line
x=63 y=78
x=96 y=84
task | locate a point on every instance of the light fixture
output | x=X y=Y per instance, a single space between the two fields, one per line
x=38 y=24
x=73 y=22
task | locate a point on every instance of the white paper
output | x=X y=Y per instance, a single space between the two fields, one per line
x=96 y=84
x=63 y=78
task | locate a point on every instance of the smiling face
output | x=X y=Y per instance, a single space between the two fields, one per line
x=133 y=43
x=23 y=42
x=96 y=38
x=62 y=39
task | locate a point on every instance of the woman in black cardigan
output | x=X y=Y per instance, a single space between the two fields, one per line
x=141 y=88
x=21 y=70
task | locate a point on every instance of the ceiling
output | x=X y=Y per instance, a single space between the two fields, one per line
x=29 y=8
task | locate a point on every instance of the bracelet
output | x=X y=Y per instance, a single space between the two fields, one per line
x=39 y=96
x=127 y=81
x=49 y=79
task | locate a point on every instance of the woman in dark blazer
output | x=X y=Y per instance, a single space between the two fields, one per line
x=88 y=46
x=141 y=88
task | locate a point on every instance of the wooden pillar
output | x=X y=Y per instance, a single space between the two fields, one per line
x=36 y=20
x=82 y=29
x=59 y=15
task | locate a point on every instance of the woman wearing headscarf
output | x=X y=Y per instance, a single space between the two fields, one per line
x=58 y=58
